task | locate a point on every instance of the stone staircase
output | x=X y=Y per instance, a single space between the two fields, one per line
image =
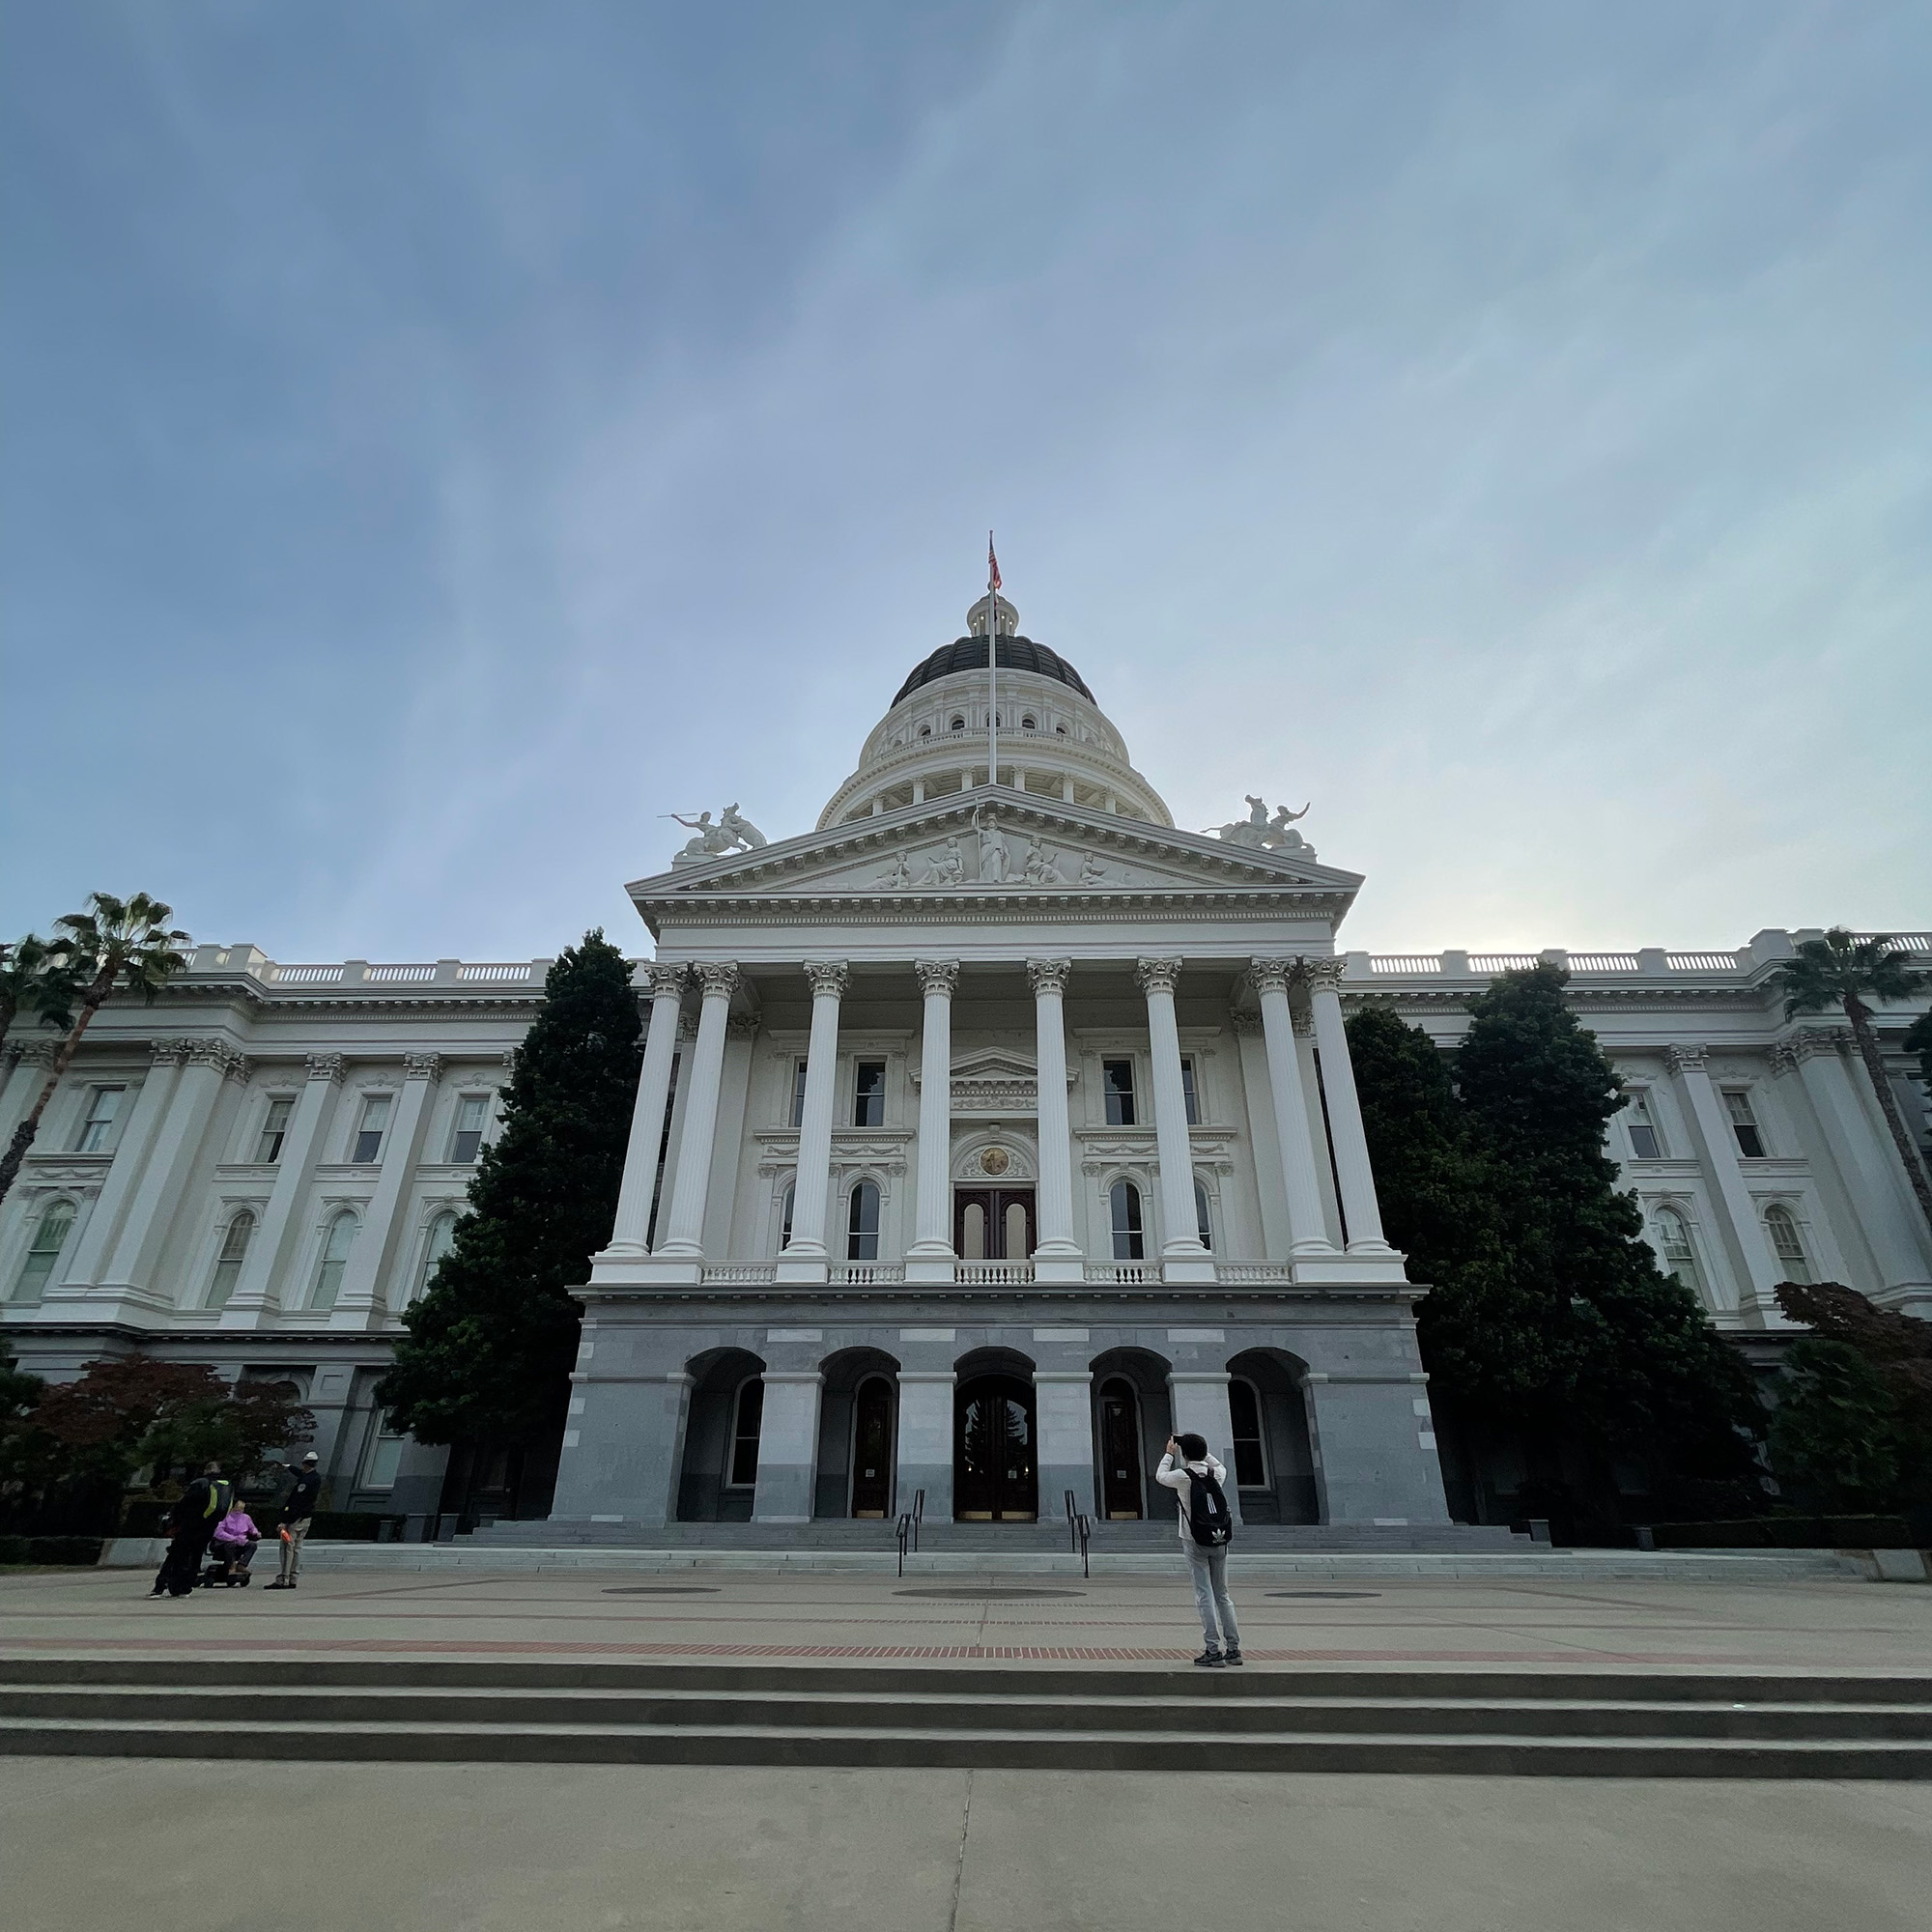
x=1157 y=1717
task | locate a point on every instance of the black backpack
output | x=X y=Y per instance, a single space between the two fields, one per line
x=1209 y=1520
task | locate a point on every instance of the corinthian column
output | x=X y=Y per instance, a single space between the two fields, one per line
x=813 y=1184
x=1055 y=1205
x=1174 y=1151
x=932 y=1241
x=647 y=1117
x=1355 y=1176
x=1306 y=1231
x=718 y=980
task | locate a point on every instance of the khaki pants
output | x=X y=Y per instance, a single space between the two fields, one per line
x=290 y=1539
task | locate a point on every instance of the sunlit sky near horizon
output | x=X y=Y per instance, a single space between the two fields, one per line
x=438 y=438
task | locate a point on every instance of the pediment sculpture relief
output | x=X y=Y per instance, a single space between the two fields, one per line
x=996 y=861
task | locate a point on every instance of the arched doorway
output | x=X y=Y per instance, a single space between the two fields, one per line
x=872 y=1448
x=1268 y=1414
x=995 y=1451
x=720 y=1470
x=1122 y=1500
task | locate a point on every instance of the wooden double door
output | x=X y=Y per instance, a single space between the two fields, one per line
x=995 y=1465
x=993 y=1224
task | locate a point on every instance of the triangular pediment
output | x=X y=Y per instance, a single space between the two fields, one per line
x=998 y=843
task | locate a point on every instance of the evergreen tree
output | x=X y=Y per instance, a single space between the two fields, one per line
x=1547 y=1311
x=1635 y=1357
x=491 y=1343
x=1835 y=1439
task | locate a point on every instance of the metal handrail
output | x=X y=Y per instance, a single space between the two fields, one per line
x=1079 y=1531
x=908 y=1527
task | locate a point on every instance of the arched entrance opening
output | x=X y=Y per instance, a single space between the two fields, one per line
x=1274 y=1469
x=857 y=1435
x=995 y=1440
x=719 y=1469
x=1132 y=1417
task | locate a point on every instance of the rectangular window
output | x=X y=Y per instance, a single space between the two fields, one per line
x=385 y=1455
x=1751 y=1142
x=1117 y=1081
x=745 y=1434
x=1189 y=1099
x=369 y=1135
x=1645 y=1142
x=472 y=1114
x=274 y=1130
x=869 y=1093
x=103 y=1109
x=798 y=1093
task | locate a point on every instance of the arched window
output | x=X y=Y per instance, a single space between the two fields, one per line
x=1785 y=1243
x=1029 y=724
x=747 y=1416
x=784 y=1217
x=1061 y=729
x=958 y=725
x=862 y=1224
x=926 y=731
x=442 y=1239
x=1202 y=1225
x=1680 y=1258
x=341 y=1237
x=56 y=1224
x=1129 y=1240
x=228 y=1262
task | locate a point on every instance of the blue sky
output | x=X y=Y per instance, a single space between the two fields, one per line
x=436 y=439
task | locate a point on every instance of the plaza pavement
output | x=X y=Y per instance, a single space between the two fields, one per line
x=112 y=1845
x=1824 y=1625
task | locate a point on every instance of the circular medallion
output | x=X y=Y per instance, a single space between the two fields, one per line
x=995 y=1160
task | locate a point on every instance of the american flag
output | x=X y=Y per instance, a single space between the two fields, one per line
x=992 y=564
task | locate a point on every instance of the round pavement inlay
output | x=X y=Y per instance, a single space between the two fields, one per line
x=1327 y=1596
x=990 y=1596
x=664 y=1590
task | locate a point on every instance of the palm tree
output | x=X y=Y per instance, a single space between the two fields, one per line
x=125 y=943
x=37 y=977
x=1840 y=971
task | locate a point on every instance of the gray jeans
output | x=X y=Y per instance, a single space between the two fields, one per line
x=1208 y=1568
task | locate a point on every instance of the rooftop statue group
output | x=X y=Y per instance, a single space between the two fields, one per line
x=732 y=833
x=1260 y=833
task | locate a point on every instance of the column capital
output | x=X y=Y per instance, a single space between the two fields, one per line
x=1246 y=1025
x=937 y=975
x=422 y=1066
x=742 y=1026
x=1304 y=1023
x=1783 y=1058
x=36 y=1052
x=1678 y=1058
x=1271 y=976
x=1833 y=1042
x=214 y=1052
x=1048 y=976
x=177 y=1051
x=717 y=978
x=663 y=982
x=828 y=978
x=1157 y=976
x=1323 y=976
x=329 y=1067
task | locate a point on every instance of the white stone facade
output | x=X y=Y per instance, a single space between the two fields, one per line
x=978 y=1099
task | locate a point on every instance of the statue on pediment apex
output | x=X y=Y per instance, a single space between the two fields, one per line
x=1259 y=832
x=732 y=833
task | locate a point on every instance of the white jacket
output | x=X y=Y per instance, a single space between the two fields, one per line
x=1174 y=1475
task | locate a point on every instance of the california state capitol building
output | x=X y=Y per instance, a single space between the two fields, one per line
x=985 y=1131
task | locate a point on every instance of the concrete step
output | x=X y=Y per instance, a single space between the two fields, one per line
x=1551 y=1723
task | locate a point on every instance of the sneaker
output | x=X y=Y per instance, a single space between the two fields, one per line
x=1210 y=1660
x=1235 y=1657
x=277 y=1584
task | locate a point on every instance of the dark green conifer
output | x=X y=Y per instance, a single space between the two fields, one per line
x=491 y=1344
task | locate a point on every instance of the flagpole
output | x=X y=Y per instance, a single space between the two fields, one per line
x=992 y=666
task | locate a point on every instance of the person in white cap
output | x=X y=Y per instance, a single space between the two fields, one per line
x=298 y=1512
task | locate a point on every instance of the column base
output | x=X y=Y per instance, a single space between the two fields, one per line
x=929 y=1271
x=358 y=1318
x=620 y=1251
x=806 y=1270
x=1352 y=1269
x=645 y=1270
x=1188 y=1269
x=1060 y=1271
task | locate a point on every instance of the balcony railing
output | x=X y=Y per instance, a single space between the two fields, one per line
x=1123 y=1274
x=993 y=1274
x=1251 y=1274
x=740 y=1275
x=866 y=1274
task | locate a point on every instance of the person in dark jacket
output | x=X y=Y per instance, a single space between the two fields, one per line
x=192 y=1526
x=298 y=1512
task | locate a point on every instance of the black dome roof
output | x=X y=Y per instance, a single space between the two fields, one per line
x=1016 y=654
